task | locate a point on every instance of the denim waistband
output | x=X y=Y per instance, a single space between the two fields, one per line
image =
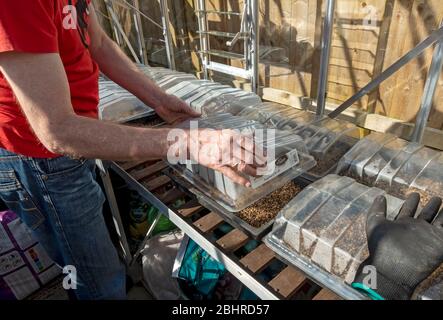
x=6 y=155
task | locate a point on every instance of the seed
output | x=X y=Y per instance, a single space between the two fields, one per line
x=267 y=208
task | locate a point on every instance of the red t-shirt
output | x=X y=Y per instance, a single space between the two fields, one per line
x=45 y=26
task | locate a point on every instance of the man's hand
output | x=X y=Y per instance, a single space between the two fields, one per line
x=406 y=251
x=234 y=155
x=173 y=110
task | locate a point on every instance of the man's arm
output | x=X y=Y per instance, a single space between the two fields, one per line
x=40 y=85
x=114 y=63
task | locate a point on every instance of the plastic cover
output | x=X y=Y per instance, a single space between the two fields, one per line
x=204 y=96
x=292 y=160
x=327 y=140
x=324 y=227
x=395 y=165
x=118 y=105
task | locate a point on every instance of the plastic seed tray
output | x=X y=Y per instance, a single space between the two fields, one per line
x=291 y=160
x=171 y=80
x=263 y=112
x=118 y=105
x=204 y=96
x=322 y=230
x=395 y=165
x=327 y=140
x=233 y=103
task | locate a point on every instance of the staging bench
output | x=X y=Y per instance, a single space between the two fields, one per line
x=199 y=223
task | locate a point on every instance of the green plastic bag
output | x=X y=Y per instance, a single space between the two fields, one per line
x=143 y=214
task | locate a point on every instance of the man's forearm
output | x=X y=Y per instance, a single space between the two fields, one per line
x=114 y=63
x=83 y=137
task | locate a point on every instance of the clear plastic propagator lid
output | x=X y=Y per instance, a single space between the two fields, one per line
x=395 y=165
x=432 y=287
x=118 y=105
x=326 y=139
x=172 y=80
x=214 y=92
x=190 y=87
x=322 y=230
x=124 y=110
x=291 y=160
x=264 y=111
x=233 y=103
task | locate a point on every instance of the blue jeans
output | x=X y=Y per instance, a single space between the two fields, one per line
x=61 y=202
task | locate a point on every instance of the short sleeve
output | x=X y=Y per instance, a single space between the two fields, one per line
x=28 y=26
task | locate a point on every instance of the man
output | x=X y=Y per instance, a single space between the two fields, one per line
x=49 y=127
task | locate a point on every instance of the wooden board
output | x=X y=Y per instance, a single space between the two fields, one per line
x=156 y=183
x=233 y=240
x=326 y=294
x=368 y=36
x=171 y=196
x=288 y=282
x=258 y=259
x=209 y=222
x=149 y=171
x=190 y=208
x=127 y=166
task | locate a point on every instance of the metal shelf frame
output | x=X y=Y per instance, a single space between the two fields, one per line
x=198 y=223
x=261 y=290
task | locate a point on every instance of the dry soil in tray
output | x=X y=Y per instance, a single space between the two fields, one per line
x=267 y=208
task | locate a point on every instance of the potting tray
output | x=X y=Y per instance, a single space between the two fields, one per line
x=233 y=103
x=322 y=230
x=327 y=140
x=118 y=105
x=395 y=165
x=289 y=154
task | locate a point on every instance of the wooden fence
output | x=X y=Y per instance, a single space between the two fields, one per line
x=368 y=36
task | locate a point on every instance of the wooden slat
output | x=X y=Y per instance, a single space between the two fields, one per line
x=171 y=196
x=288 y=282
x=433 y=138
x=326 y=294
x=258 y=259
x=156 y=183
x=132 y=164
x=149 y=171
x=189 y=208
x=233 y=240
x=209 y=222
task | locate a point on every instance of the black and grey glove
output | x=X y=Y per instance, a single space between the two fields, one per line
x=403 y=252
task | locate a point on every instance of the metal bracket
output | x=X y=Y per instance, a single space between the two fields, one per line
x=325 y=54
x=121 y=31
x=243 y=27
x=429 y=93
x=167 y=34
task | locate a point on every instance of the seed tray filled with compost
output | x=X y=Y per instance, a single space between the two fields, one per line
x=323 y=228
x=432 y=287
x=291 y=160
x=255 y=220
x=395 y=165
